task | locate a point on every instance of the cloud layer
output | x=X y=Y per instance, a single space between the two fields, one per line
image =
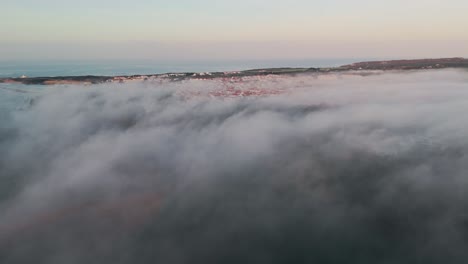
x=334 y=169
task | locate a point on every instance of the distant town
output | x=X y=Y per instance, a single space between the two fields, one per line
x=355 y=68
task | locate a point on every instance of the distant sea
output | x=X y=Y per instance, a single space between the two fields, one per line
x=130 y=67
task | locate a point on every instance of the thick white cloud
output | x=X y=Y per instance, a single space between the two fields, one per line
x=335 y=168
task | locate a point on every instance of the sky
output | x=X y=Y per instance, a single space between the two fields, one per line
x=242 y=29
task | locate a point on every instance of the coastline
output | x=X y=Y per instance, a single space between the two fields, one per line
x=362 y=68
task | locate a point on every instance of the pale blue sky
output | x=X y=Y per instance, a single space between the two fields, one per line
x=258 y=29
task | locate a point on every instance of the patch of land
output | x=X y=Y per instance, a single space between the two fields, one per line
x=360 y=68
x=409 y=64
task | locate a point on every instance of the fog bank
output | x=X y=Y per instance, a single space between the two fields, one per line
x=311 y=169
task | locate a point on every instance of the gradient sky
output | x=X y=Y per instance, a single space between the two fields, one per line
x=241 y=29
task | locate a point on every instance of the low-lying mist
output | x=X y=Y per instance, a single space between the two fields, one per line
x=308 y=169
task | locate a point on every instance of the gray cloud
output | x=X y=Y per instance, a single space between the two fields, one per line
x=335 y=169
